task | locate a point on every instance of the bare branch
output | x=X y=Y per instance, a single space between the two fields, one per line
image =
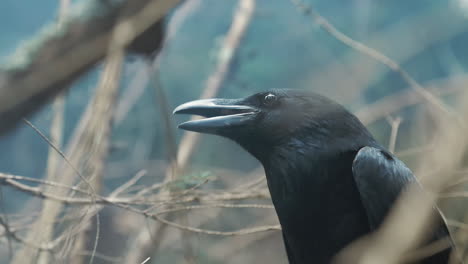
x=358 y=46
x=49 y=67
x=241 y=20
x=395 y=125
x=398 y=101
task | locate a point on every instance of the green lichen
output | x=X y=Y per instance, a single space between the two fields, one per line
x=27 y=50
x=191 y=180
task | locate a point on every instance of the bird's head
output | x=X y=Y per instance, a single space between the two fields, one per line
x=267 y=120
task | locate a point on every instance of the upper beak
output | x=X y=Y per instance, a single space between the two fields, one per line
x=219 y=113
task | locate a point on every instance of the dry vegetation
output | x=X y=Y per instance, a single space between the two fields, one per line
x=68 y=227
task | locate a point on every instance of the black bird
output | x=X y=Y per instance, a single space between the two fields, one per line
x=329 y=180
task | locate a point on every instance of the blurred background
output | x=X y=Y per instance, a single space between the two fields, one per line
x=131 y=201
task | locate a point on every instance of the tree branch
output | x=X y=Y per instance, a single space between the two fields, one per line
x=59 y=55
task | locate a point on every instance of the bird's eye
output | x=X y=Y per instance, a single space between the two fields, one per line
x=269 y=99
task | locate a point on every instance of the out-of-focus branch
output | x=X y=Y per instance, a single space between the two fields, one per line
x=360 y=47
x=229 y=248
x=398 y=41
x=99 y=129
x=145 y=243
x=241 y=20
x=395 y=125
x=176 y=201
x=90 y=152
x=148 y=244
x=412 y=210
x=150 y=198
x=166 y=116
x=57 y=57
x=43 y=229
x=130 y=95
x=391 y=104
x=410 y=218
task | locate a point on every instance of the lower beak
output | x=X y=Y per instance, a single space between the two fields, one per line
x=220 y=114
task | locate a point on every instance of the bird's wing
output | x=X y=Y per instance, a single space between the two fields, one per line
x=379 y=178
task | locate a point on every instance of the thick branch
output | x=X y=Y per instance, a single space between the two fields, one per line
x=59 y=55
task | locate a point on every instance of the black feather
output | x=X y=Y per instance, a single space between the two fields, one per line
x=330 y=181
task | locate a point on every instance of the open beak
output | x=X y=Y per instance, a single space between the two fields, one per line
x=219 y=114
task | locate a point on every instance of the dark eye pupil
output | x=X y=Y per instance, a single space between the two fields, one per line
x=269 y=99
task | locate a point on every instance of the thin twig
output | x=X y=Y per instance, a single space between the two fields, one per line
x=360 y=47
x=146 y=260
x=395 y=125
x=64 y=157
x=241 y=20
x=129 y=183
x=244 y=231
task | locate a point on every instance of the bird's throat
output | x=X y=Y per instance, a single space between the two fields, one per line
x=316 y=203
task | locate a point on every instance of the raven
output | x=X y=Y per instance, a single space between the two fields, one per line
x=330 y=181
